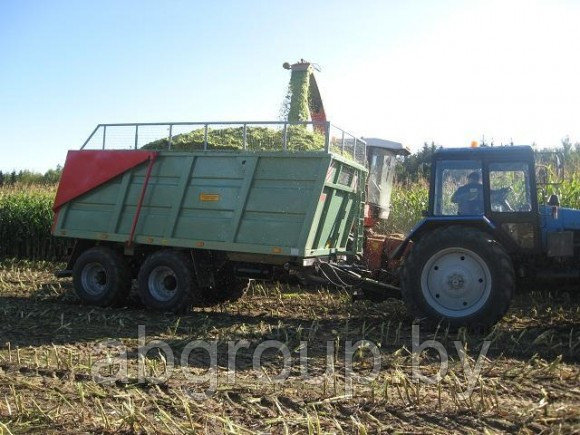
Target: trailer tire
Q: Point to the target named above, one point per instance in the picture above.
(458, 276)
(101, 277)
(227, 288)
(166, 281)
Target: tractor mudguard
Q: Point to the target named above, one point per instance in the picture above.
(567, 219)
(433, 222)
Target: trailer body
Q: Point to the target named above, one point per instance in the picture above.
(276, 206)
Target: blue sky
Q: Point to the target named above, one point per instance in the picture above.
(412, 71)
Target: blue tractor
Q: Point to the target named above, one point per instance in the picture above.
(483, 233)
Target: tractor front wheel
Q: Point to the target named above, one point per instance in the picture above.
(458, 275)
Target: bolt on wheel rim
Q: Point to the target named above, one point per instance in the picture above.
(94, 279)
(456, 282)
(162, 283)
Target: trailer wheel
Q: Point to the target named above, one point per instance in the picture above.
(458, 275)
(227, 288)
(101, 277)
(166, 281)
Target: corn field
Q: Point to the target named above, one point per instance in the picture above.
(25, 221)
(568, 191)
(407, 203)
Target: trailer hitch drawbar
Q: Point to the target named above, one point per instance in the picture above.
(342, 275)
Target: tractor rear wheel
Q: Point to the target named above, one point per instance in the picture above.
(166, 281)
(101, 277)
(460, 276)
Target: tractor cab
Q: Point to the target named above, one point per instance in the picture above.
(495, 186)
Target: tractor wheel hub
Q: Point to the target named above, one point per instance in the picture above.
(456, 281)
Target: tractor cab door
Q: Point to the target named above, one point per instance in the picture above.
(499, 185)
(456, 188)
(511, 200)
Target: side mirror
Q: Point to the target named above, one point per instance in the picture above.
(554, 202)
(424, 213)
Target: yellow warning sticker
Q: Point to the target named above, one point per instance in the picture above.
(209, 197)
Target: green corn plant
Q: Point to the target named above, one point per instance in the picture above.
(407, 204)
(25, 222)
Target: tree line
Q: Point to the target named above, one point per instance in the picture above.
(51, 176)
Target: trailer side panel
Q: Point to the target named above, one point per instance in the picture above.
(290, 204)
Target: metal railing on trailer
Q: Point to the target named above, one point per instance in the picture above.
(135, 135)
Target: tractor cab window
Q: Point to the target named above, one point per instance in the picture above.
(380, 179)
(458, 188)
(510, 187)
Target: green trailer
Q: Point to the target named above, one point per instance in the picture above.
(195, 226)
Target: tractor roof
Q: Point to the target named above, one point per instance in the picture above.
(512, 151)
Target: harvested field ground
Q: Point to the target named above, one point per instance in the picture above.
(51, 344)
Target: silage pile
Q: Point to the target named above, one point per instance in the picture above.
(232, 138)
(302, 94)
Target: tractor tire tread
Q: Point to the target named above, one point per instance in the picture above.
(501, 269)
